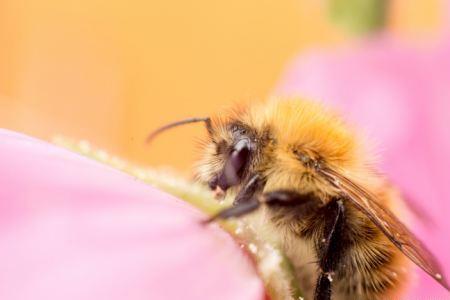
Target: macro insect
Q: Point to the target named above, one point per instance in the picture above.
(309, 175)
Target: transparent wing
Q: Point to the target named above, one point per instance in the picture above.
(387, 222)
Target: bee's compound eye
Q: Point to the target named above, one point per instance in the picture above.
(234, 165)
(239, 156)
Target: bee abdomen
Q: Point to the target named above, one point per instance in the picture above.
(372, 270)
(375, 286)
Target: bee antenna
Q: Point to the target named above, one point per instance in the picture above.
(153, 134)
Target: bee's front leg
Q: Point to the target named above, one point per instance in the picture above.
(287, 198)
(245, 202)
(248, 201)
(329, 248)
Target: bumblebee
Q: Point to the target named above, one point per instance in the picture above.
(313, 181)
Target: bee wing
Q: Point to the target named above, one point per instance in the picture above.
(388, 223)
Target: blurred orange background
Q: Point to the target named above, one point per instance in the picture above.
(111, 71)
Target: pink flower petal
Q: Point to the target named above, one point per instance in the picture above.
(71, 228)
(401, 97)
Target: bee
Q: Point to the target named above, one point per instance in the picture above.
(314, 183)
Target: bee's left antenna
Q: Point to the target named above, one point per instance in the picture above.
(152, 135)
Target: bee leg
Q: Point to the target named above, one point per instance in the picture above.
(249, 190)
(287, 198)
(245, 202)
(329, 248)
(248, 200)
(237, 210)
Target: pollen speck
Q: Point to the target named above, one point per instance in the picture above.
(102, 155)
(84, 146)
(252, 247)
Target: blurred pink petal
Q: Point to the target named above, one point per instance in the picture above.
(401, 97)
(71, 228)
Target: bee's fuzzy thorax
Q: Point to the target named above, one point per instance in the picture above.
(311, 126)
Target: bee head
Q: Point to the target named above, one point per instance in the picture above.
(234, 148)
(229, 151)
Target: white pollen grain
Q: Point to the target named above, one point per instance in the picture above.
(102, 155)
(84, 146)
(252, 247)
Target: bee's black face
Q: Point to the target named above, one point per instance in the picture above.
(237, 158)
(234, 165)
